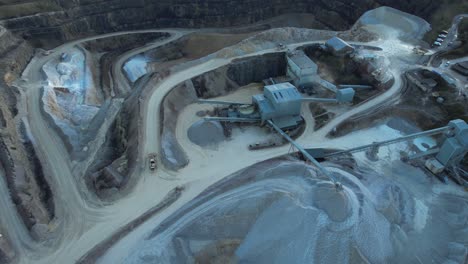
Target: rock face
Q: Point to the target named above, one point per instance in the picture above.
(20, 169)
(80, 18)
(172, 154)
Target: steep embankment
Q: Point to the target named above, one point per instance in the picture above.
(23, 174)
(82, 18)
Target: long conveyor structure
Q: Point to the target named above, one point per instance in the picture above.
(391, 141)
(220, 102)
(305, 153)
(233, 119)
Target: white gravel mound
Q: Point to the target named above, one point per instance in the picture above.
(408, 25)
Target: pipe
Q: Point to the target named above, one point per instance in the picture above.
(391, 141)
(356, 86)
(319, 100)
(423, 154)
(203, 101)
(326, 85)
(304, 152)
(233, 119)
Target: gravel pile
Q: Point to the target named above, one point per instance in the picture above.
(206, 133)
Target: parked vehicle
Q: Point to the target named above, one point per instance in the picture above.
(281, 46)
(440, 40)
(438, 44)
(442, 36)
(152, 161)
(444, 32)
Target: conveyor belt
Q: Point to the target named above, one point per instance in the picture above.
(304, 152)
(391, 141)
(203, 101)
(233, 119)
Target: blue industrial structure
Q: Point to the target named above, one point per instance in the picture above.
(455, 146)
(450, 153)
(338, 47)
(281, 103)
(280, 107)
(301, 69)
(304, 74)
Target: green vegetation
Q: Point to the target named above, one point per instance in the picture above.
(462, 50)
(441, 19)
(29, 8)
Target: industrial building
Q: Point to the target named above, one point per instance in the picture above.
(338, 47)
(281, 100)
(461, 67)
(280, 103)
(303, 73)
(301, 69)
(423, 83)
(455, 146)
(450, 152)
(447, 78)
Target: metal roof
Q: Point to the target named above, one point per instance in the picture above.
(429, 82)
(283, 92)
(287, 121)
(463, 64)
(337, 44)
(263, 104)
(302, 60)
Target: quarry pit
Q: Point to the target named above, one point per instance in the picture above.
(283, 139)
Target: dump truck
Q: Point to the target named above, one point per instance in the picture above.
(152, 161)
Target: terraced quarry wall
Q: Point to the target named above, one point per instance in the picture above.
(21, 170)
(74, 19)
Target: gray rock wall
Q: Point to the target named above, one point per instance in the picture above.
(120, 145)
(172, 155)
(81, 18)
(239, 73)
(24, 175)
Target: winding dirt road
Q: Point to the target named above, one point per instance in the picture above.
(82, 222)
(75, 209)
(120, 82)
(201, 171)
